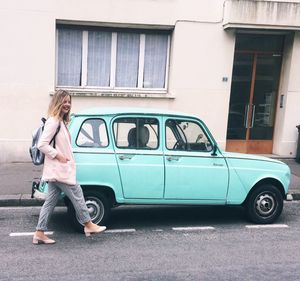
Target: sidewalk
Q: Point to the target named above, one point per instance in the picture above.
(16, 181)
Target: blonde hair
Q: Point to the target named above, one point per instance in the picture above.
(56, 104)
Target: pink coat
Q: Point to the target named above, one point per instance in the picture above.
(55, 170)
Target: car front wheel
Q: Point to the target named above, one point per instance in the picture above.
(264, 204)
(98, 207)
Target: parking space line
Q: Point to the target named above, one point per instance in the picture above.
(17, 234)
(189, 228)
(193, 228)
(267, 226)
(120, 230)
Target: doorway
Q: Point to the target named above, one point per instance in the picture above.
(254, 91)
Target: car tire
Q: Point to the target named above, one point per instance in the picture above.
(98, 206)
(264, 205)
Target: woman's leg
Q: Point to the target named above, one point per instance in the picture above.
(75, 194)
(48, 206)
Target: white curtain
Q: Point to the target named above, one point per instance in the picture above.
(99, 54)
(156, 49)
(128, 46)
(69, 57)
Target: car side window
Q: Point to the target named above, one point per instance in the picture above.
(93, 133)
(186, 135)
(136, 133)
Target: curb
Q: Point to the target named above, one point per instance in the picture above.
(25, 200)
(22, 200)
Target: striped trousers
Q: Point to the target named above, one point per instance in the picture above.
(73, 192)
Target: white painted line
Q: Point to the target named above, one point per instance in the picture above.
(267, 226)
(157, 230)
(16, 234)
(193, 228)
(120, 230)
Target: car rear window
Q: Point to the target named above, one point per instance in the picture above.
(136, 133)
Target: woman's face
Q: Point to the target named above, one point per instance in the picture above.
(66, 105)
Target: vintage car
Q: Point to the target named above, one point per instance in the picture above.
(150, 156)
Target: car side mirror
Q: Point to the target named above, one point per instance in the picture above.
(214, 150)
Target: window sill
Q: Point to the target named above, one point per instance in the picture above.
(118, 93)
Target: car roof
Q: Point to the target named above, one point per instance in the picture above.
(130, 110)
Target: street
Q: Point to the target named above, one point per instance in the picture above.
(154, 243)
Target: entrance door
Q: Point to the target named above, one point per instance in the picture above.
(253, 99)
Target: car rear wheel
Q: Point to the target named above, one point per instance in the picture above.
(264, 204)
(98, 207)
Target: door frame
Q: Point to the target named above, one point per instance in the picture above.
(247, 145)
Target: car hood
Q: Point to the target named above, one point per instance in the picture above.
(249, 157)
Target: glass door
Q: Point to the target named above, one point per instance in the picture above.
(264, 97)
(253, 102)
(240, 97)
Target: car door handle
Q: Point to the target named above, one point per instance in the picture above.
(172, 158)
(124, 157)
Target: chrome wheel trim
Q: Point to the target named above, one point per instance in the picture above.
(95, 208)
(265, 204)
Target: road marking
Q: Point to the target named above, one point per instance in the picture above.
(189, 228)
(17, 234)
(120, 230)
(193, 228)
(267, 226)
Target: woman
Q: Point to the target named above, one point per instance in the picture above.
(60, 169)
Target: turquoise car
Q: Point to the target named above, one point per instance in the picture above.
(149, 156)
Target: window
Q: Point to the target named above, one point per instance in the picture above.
(136, 133)
(119, 59)
(92, 133)
(186, 135)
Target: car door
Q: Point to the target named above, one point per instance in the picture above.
(139, 156)
(192, 172)
(94, 154)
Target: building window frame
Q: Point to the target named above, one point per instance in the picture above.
(113, 67)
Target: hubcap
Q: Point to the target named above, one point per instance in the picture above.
(95, 208)
(265, 204)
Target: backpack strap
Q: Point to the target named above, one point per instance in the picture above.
(53, 139)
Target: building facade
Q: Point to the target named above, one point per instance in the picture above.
(233, 63)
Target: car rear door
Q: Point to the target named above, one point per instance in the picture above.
(139, 156)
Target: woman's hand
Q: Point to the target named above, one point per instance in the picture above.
(62, 158)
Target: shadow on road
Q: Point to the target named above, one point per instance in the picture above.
(165, 216)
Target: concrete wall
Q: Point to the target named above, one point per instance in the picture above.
(267, 14)
(27, 50)
(289, 116)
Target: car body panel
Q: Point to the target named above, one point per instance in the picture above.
(246, 172)
(195, 174)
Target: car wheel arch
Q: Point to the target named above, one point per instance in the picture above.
(107, 191)
(266, 181)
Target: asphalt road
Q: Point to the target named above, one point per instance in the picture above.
(154, 243)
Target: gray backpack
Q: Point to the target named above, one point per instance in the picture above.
(36, 155)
